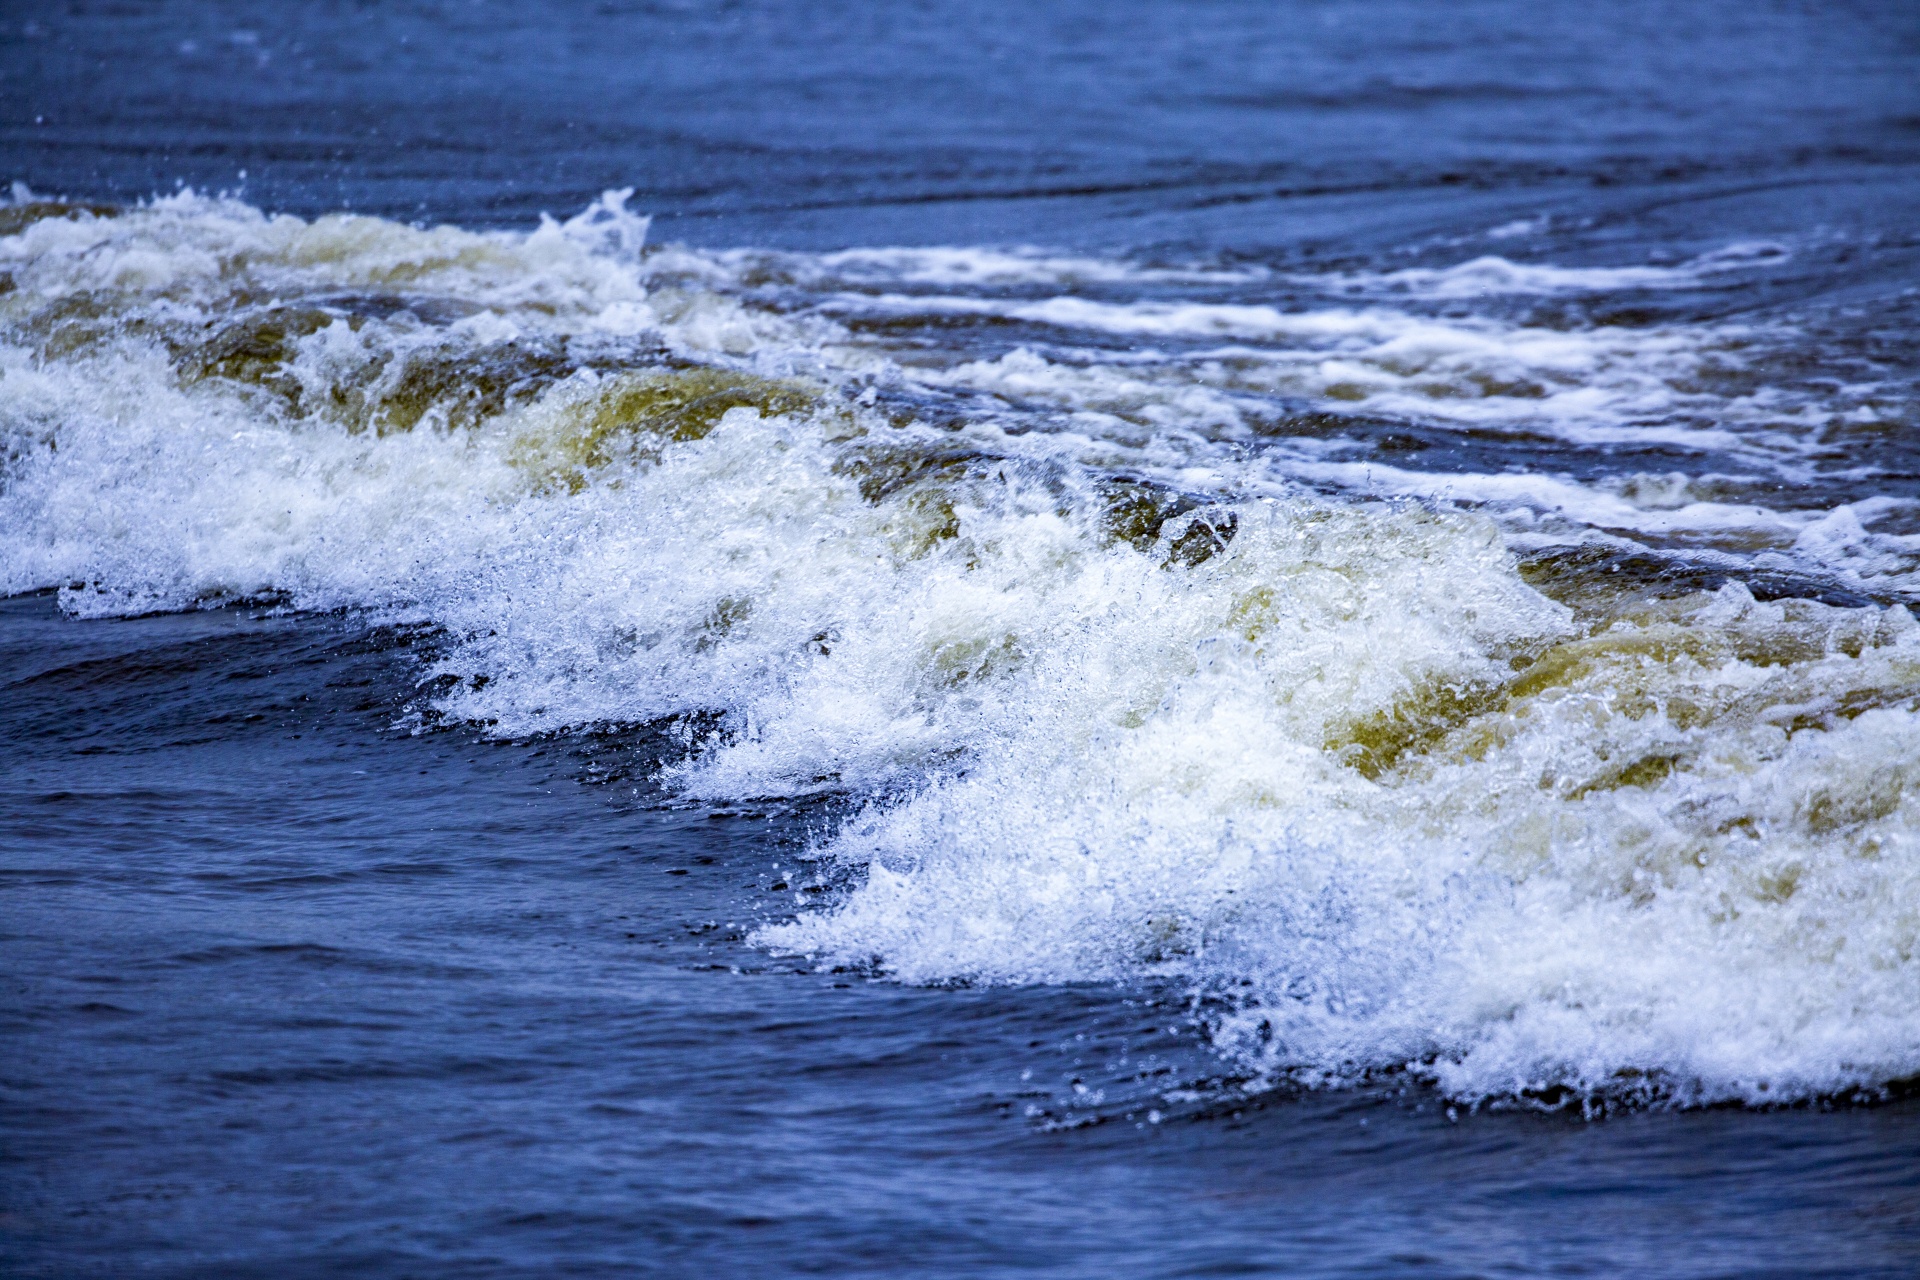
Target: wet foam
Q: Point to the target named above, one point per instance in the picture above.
(964, 266)
(1629, 873)
(1494, 275)
(1383, 795)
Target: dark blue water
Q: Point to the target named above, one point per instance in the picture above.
(1241, 124)
(291, 992)
(298, 980)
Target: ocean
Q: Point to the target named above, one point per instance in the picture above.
(917, 639)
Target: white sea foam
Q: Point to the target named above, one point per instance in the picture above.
(1492, 275)
(964, 266)
(1331, 762)
(1147, 319)
(1592, 388)
(1595, 386)
(1664, 508)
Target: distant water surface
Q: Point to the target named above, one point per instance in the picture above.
(1128, 639)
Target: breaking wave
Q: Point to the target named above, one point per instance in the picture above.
(1527, 782)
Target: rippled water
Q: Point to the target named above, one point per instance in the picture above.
(1299, 616)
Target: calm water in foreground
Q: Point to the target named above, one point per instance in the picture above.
(1150, 640)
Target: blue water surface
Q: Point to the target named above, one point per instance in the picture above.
(298, 983)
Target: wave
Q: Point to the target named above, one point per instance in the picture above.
(1491, 275)
(958, 265)
(1389, 782)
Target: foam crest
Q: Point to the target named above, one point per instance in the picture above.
(1639, 865)
(963, 266)
(1151, 318)
(1837, 542)
(201, 250)
(1493, 275)
(1592, 387)
(1633, 382)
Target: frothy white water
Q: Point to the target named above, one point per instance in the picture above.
(1631, 871)
(957, 266)
(1337, 763)
(1492, 276)
(1692, 386)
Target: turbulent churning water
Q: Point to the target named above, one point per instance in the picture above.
(1488, 668)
